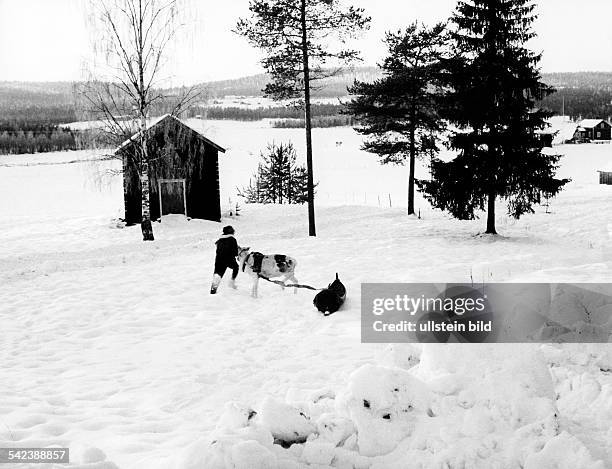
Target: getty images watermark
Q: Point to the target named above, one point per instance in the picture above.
(496, 312)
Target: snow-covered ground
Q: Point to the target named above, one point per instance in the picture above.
(115, 348)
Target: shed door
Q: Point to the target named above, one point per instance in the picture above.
(172, 196)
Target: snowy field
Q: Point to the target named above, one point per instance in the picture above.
(114, 347)
(255, 102)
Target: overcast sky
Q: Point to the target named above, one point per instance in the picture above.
(44, 40)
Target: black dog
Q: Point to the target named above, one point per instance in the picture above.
(330, 299)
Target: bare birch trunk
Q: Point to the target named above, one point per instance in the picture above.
(145, 224)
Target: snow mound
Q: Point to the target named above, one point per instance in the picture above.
(252, 455)
(334, 429)
(563, 452)
(403, 356)
(89, 457)
(286, 423)
(453, 405)
(384, 404)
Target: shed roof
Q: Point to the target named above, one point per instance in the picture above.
(606, 169)
(157, 121)
(590, 123)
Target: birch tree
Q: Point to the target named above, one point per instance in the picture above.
(133, 41)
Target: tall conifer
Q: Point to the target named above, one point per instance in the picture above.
(495, 83)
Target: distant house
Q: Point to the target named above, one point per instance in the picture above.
(593, 129)
(183, 172)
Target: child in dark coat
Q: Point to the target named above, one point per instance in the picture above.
(227, 250)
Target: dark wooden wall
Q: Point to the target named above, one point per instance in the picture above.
(546, 140)
(605, 177)
(175, 152)
(605, 132)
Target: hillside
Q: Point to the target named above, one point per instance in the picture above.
(586, 94)
(330, 87)
(336, 86)
(595, 80)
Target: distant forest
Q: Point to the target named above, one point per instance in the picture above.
(259, 113)
(31, 113)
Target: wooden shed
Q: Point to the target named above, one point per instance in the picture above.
(605, 177)
(183, 172)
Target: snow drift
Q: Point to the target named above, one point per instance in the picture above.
(473, 406)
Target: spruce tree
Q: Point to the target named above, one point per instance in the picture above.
(495, 84)
(398, 113)
(279, 179)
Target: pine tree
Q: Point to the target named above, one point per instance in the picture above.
(495, 85)
(296, 37)
(399, 111)
(279, 179)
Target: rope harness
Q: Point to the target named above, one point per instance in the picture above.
(257, 260)
(294, 285)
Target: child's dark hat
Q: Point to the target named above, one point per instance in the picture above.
(228, 230)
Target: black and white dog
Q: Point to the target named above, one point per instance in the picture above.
(330, 299)
(267, 266)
